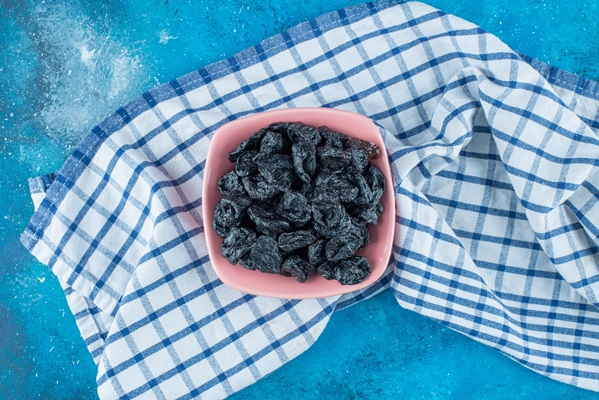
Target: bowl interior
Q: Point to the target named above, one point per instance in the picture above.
(228, 137)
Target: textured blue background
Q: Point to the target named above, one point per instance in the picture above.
(66, 65)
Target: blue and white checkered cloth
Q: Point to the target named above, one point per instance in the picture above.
(494, 158)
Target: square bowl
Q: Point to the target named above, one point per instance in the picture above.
(228, 137)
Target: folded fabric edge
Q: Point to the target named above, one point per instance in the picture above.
(564, 79)
(38, 186)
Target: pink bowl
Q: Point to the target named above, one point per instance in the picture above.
(228, 137)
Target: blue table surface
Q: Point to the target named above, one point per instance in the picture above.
(64, 66)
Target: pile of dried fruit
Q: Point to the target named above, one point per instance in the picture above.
(298, 201)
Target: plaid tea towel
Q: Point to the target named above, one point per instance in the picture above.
(494, 158)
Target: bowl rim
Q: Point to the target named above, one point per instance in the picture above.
(214, 241)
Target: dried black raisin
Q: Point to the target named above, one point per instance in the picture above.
(357, 158)
(327, 270)
(307, 190)
(291, 241)
(304, 160)
(251, 143)
(371, 150)
(376, 181)
(229, 185)
(316, 254)
(299, 132)
(294, 207)
(330, 217)
(272, 143)
(265, 255)
(246, 261)
(361, 231)
(352, 271)
(364, 196)
(331, 160)
(258, 189)
(267, 220)
(297, 267)
(332, 138)
(229, 213)
(341, 247)
(279, 127)
(346, 244)
(238, 243)
(246, 164)
(337, 185)
(365, 214)
(277, 170)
